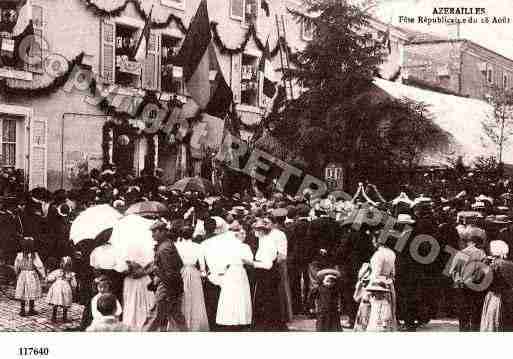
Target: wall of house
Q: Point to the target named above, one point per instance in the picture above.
(436, 63)
(70, 28)
(474, 80)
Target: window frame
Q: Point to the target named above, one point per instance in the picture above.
(489, 74)
(170, 34)
(257, 81)
(179, 5)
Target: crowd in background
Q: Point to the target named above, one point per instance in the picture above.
(254, 261)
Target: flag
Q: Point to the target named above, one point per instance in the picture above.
(141, 49)
(221, 94)
(266, 74)
(386, 41)
(265, 6)
(24, 18)
(194, 57)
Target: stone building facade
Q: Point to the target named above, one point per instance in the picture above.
(459, 66)
(48, 135)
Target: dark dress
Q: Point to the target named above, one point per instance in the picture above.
(267, 309)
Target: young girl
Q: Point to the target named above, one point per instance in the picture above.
(60, 293)
(103, 284)
(30, 270)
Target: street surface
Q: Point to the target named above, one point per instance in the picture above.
(10, 320)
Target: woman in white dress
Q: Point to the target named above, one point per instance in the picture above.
(137, 299)
(234, 309)
(193, 303)
(382, 264)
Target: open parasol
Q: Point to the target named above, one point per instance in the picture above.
(93, 221)
(131, 240)
(148, 208)
(193, 184)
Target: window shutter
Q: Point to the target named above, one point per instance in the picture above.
(236, 76)
(38, 152)
(36, 50)
(151, 68)
(237, 9)
(107, 63)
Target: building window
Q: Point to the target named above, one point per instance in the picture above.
(8, 126)
(490, 75)
(176, 4)
(127, 72)
(505, 82)
(172, 76)
(250, 11)
(249, 80)
(237, 9)
(10, 14)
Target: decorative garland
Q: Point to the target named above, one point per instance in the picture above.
(120, 9)
(250, 33)
(45, 90)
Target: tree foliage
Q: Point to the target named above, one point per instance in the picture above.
(498, 126)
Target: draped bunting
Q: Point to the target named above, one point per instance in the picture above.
(120, 9)
(250, 33)
(43, 90)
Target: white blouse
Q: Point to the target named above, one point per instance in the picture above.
(190, 253)
(267, 251)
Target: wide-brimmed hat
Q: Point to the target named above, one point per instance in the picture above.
(405, 219)
(239, 211)
(328, 271)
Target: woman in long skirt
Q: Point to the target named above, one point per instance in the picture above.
(493, 306)
(193, 304)
(234, 310)
(137, 299)
(268, 311)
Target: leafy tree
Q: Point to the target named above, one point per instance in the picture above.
(498, 126)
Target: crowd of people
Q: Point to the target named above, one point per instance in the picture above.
(252, 261)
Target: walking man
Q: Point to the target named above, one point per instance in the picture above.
(168, 280)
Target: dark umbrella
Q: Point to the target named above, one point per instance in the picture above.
(193, 184)
(148, 208)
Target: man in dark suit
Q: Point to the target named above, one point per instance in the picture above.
(168, 280)
(297, 264)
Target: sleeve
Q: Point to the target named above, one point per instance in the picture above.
(94, 308)
(281, 242)
(73, 281)
(246, 254)
(17, 263)
(39, 265)
(169, 266)
(376, 263)
(119, 309)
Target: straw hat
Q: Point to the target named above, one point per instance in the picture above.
(405, 219)
(328, 271)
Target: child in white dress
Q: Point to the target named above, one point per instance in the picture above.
(60, 293)
(30, 270)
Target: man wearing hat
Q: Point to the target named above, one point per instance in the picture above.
(465, 271)
(168, 295)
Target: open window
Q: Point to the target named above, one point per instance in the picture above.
(127, 72)
(249, 80)
(244, 10)
(15, 16)
(172, 76)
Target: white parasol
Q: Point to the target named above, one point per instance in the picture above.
(93, 221)
(132, 240)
